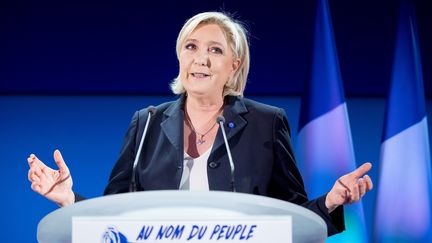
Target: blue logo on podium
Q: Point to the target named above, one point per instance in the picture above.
(112, 235)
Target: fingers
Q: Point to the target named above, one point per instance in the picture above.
(355, 193)
(360, 171)
(369, 184)
(41, 175)
(31, 159)
(38, 176)
(351, 187)
(34, 163)
(357, 190)
(35, 186)
(60, 162)
(32, 176)
(362, 187)
(37, 183)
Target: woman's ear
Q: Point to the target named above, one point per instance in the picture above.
(236, 64)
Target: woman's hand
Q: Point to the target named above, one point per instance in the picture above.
(55, 185)
(349, 188)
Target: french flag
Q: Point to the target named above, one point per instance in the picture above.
(324, 145)
(403, 208)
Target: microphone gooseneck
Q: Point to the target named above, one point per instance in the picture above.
(132, 187)
(221, 121)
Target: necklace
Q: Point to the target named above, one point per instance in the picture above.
(201, 139)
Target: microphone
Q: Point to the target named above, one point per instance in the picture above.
(132, 186)
(221, 120)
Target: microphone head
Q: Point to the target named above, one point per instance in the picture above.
(220, 119)
(151, 109)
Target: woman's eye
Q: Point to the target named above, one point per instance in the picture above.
(190, 46)
(216, 50)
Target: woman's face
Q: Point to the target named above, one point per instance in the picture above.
(206, 61)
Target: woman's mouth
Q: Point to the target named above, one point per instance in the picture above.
(200, 75)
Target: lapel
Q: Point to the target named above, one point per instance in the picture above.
(172, 126)
(234, 122)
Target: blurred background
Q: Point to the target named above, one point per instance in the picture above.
(72, 74)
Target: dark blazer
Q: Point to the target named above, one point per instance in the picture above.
(261, 148)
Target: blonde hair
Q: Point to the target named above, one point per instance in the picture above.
(236, 36)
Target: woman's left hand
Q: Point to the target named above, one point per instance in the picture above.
(349, 188)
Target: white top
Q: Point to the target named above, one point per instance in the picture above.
(194, 177)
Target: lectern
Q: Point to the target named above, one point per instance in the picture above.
(198, 217)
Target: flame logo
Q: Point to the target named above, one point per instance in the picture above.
(112, 235)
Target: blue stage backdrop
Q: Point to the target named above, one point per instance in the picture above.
(89, 131)
(128, 47)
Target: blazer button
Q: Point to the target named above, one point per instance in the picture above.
(213, 165)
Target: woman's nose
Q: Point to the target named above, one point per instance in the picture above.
(202, 59)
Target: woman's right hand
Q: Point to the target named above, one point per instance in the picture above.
(55, 185)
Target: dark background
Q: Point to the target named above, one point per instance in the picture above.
(128, 47)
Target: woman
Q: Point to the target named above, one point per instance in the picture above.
(184, 147)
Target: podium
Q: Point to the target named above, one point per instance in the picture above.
(169, 205)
